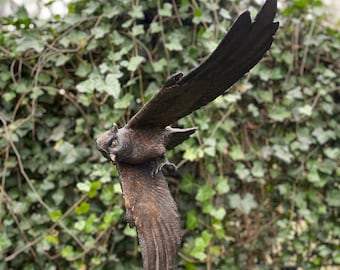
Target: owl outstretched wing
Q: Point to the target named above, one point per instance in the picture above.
(242, 48)
(151, 208)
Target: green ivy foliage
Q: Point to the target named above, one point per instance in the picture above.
(259, 183)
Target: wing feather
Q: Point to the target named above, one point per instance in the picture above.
(151, 208)
(242, 48)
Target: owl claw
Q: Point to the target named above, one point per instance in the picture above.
(164, 167)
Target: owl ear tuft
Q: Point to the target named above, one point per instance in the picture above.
(114, 128)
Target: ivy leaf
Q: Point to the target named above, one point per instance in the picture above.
(166, 10)
(277, 73)
(110, 12)
(112, 85)
(205, 192)
(245, 204)
(219, 232)
(197, 252)
(206, 236)
(193, 153)
(83, 70)
(136, 12)
(55, 215)
(295, 93)
(306, 110)
(174, 41)
(133, 63)
(257, 169)
(58, 196)
(100, 31)
(115, 214)
(130, 231)
(232, 98)
(263, 72)
(159, 65)
(84, 186)
(187, 183)
(236, 152)
(137, 30)
(332, 153)
(219, 213)
(124, 102)
(94, 188)
(198, 12)
(253, 109)
(210, 147)
(329, 73)
(303, 143)
(90, 225)
(91, 7)
(156, 27)
(74, 37)
(332, 198)
(67, 252)
(278, 113)
(9, 96)
(61, 60)
(117, 188)
(201, 244)
(174, 45)
(86, 86)
(30, 42)
(37, 92)
(313, 175)
(222, 186)
(67, 151)
(192, 220)
(57, 133)
(224, 13)
(264, 96)
(80, 225)
(283, 153)
(323, 135)
(242, 171)
(83, 208)
(52, 239)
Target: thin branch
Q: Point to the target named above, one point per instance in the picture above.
(3, 180)
(21, 166)
(41, 237)
(17, 222)
(29, 182)
(306, 48)
(178, 17)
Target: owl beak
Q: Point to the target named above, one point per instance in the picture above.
(113, 158)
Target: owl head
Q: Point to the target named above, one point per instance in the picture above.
(109, 143)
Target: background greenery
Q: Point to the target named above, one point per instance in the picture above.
(259, 181)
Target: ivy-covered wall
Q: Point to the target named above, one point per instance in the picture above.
(258, 185)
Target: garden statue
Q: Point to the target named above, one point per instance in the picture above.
(138, 147)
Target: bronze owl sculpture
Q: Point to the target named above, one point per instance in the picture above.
(137, 148)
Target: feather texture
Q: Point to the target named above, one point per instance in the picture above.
(242, 48)
(151, 208)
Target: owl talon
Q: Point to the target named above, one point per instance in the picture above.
(165, 167)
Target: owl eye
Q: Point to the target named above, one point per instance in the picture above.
(113, 142)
